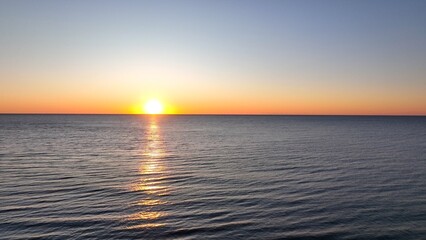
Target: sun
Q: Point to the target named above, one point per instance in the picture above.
(153, 107)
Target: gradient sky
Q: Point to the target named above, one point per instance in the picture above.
(240, 57)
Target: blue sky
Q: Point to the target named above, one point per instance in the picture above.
(283, 53)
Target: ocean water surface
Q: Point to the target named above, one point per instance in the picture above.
(212, 177)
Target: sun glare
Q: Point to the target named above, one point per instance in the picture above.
(153, 107)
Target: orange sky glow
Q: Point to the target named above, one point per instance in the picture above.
(351, 58)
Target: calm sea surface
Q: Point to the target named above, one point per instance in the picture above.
(212, 177)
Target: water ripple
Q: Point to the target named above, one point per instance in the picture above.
(212, 177)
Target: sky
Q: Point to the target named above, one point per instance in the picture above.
(214, 57)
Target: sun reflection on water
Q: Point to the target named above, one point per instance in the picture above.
(151, 183)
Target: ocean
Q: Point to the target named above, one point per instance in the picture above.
(212, 177)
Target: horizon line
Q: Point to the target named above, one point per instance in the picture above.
(229, 114)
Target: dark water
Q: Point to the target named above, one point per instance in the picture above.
(212, 177)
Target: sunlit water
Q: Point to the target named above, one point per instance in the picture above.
(212, 177)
